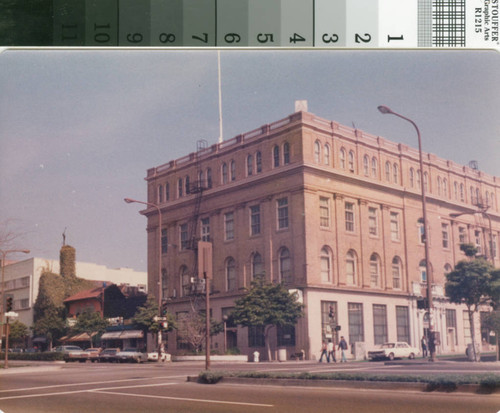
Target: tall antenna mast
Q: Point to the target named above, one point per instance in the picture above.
(220, 97)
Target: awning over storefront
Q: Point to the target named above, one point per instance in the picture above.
(131, 334)
(111, 335)
(39, 340)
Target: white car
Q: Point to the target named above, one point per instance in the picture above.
(131, 355)
(153, 356)
(392, 350)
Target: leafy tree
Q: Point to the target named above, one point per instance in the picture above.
(470, 284)
(18, 332)
(144, 318)
(267, 305)
(470, 250)
(52, 325)
(192, 328)
(90, 323)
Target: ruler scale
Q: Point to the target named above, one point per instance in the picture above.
(252, 23)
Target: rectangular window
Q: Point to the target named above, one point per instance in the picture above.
(477, 237)
(394, 226)
(167, 192)
(372, 221)
(356, 328)
(462, 235)
(24, 303)
(421, 233)
(379, 323)
(282, 213)
(229, 226)
(349, 216)
(164, 241)
(160, 194)
(451, 323)
(25, 281)
(255, 220)
(324, 212)
(403, 323)
(286, 336)
(256, 336)
(446, 235)
(184, 236)
(467, 336)
(205, 229)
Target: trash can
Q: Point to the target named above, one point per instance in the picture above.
(282, 354)
(256, 356)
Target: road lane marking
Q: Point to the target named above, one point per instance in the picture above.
(184, 399)
(92, 383)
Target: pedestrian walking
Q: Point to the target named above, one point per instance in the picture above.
(343, 347)
(324, 352)
(423, 342)
(331, 352)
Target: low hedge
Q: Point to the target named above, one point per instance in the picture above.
(487, 382)
(45, 356)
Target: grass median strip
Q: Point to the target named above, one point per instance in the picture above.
(486, 383)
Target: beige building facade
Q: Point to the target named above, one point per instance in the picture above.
(336, 215)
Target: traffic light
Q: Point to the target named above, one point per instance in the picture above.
(8, 304)
(331, 313)
(163, 309)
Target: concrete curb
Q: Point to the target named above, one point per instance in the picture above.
(352, 384)
(30, 369)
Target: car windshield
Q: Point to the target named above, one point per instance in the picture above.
(72, 348)
(388, 345)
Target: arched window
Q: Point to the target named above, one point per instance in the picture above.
(439, 185)
(285, 269)
(419, 179)
(455, 188)
(224, 173)
(201, 182)
(395, 171)
(366, 165)
(426, 181)
(249, 165)
(462, 193)
(374, 167)
(185, 281)
(258, 162)
(396, 273)
(445, 188)
(257, 266)
(167, 192)
(179, 187)
(351, 161)
(374, 271)
(286, 153)
(350, 263)
(276, 156)
(492, 203)
(233, 171)
(230, 274)
(317, 152)
(412, 177)
(388, 171)
(342, 155)
(326, 267)
(326, 155)
(447, 268)
(160, 194)
(478, 197)
(423, 271)
(187, 184)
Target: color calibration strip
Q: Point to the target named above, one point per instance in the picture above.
(275, 23)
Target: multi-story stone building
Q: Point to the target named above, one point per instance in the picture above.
(330, 211)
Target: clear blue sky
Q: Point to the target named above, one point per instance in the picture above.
(79, 129)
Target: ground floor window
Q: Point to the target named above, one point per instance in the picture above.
(379, 323)
(467, 336)
(286, 336)
(403, 323)
(256, 336)
(451, 323)
(328, 320)
(356, 330)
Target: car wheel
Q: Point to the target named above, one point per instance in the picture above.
(411, 356)
(391, 356)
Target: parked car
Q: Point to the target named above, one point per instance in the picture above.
(93, 354)
(392, 350)
(153, 356)
(109, 355)
(132, 355)
(73, 353)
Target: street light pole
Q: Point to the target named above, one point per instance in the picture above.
(385, 110)
(3, 319)
(160, 281)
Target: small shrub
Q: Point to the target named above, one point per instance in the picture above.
(210, 377)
